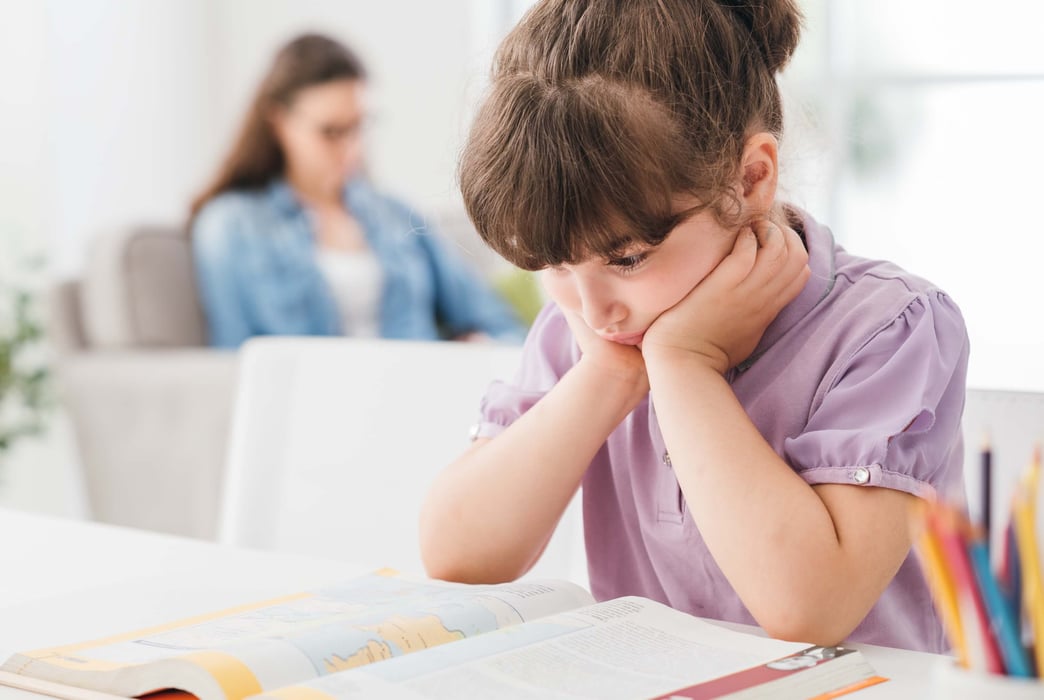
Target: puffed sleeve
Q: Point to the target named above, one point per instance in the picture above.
(891, 415)
(547, 354)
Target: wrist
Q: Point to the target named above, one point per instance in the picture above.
(710, 357)
(629, 384)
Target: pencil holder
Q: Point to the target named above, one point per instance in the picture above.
(954, 682)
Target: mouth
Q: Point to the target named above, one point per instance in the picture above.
(625, 338)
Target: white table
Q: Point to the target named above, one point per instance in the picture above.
(64, 581)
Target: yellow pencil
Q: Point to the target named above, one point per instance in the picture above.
(1029, 559)
(941, 585)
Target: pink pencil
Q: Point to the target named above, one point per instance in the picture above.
(983, 653)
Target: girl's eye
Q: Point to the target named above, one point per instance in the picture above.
(628, 263)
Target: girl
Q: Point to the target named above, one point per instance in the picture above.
(291, 239)
(750, 409)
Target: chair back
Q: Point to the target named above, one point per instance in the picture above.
(335, 442)
(139, 291)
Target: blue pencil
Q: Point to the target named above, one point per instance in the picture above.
(1013, 575)
(1001, 616)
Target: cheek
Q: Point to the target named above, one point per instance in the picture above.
(675, 288)
(684, 272)
(559, 286)
(648, 298)
(303, 149)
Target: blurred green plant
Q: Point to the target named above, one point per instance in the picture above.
(522, 291)
(24, 375)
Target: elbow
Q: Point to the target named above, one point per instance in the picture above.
(461, 572)
(444, 554)
(441, 560)
(448, 555)
(821, 625)
(447, 563)
(813, 609)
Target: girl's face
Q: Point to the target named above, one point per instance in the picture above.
(619, 298)
(321, 131)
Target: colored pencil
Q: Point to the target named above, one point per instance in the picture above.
(983, 654)
(986, 469)
(941, 585)
(1029, 559)
(1001, 616)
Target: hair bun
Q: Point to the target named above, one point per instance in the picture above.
(775, 26)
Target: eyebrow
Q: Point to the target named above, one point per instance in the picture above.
(619, 243)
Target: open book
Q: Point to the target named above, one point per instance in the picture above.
(529, 639)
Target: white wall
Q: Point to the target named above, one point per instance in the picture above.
(22, 69)
(128, 103)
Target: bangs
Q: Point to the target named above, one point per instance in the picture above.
(557, 174)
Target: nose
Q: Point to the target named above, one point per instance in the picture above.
(599, 306)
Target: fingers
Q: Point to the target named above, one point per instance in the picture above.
(768, 234)
(739, 263)
(780, 258)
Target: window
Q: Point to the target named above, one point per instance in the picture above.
(931, 113)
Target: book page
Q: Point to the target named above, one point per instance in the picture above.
(368, 619)
(624, 648)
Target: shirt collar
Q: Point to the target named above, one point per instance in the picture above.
(282, 196)
(819, 242)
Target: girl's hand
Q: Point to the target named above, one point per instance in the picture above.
(722, 319)
(616, 360)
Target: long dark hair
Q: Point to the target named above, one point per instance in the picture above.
(256, 157)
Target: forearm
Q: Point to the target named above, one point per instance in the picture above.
(769, 532)
(489, 515)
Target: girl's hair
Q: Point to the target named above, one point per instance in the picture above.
(256, 157)
(601, 112)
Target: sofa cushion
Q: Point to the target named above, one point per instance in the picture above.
(139, 290)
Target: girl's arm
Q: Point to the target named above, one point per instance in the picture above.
(808, 562)
(490, 514)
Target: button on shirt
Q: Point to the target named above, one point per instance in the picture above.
(860, 380)
(255, 256)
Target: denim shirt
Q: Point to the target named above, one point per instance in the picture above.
(255, 262)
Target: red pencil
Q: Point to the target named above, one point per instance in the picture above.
(983, 653)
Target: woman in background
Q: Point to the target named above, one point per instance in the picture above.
(290, 239)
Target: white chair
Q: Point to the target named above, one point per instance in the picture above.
(335, 442)
(1013, 422)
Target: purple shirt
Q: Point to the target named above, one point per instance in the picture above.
(860, 380)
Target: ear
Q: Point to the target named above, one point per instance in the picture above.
(759, 172)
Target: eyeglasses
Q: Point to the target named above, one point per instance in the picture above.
(335, 132)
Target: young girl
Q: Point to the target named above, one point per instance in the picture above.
(291, 238)
(750, 409)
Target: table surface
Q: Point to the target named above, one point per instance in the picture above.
(65, 581)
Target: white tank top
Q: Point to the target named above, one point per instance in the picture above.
(355, 279)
